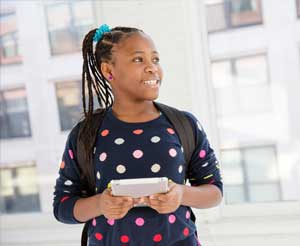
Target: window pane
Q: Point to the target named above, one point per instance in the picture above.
(234, 194)
(221, 74)
(251, 70)
(215, 17)
(226, 101)
(67, 25)
(19, 190)
(231, 166)
(14, 117)
(58, 16)
(26, 178)
(6, 181)
(261, 164)
(9, 48)
(255, 99)
(83, 13)
(245, 12)
(264, 193)
(69, 103)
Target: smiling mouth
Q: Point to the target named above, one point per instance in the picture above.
(152, 83)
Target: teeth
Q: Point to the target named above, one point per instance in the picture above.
(150, 82)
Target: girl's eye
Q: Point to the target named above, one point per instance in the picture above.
(156, 60)
(138, 59)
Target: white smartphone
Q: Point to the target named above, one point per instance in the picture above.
(139, 187)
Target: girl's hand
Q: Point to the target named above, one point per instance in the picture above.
(114, 207)
(168, 202)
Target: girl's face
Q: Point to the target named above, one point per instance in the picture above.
(136, 70)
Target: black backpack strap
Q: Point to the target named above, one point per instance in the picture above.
(182, 127)
(185, 133)
(98, 117)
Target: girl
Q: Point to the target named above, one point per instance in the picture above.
(135, 140)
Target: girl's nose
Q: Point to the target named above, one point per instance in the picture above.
(151, 68)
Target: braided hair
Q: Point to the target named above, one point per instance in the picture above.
(94, 82)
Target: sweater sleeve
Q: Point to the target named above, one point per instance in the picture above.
(204, 167)
(67, 189)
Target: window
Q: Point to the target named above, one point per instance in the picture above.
(68, 22)
(241, 85)
(9, 47)
(69, 103)
(226, 14)
(14, 117)
(19, 189)
(298, 8)
(250, 175)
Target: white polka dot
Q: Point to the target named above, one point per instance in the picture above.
(182, 150)
(180, 168)
(119, 141)
(155, 139)
(155, 168)
(103, 156)
(172, 152)
(98, 175)
(205, 164)
(199, 126)
(121, 169)
(68, 182)
(66, 191)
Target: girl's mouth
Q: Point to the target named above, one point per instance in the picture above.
(152, 83)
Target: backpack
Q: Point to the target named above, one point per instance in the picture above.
(178, 120)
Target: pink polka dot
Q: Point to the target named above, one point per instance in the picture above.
(157, 238)
(172, 152)
(64, 198)
(71, 154)
(102, 156)
(98, 236)
(170, 130)
(202, 153)
(186, 231)
(172, 218)
(139, 221)
(187, 214)
(111, 222)
(138, 131)
(124, 239)
(62, 165)
(137, 154)
(104, 133)
(94, 222)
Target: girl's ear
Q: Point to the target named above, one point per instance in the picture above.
(106, 70)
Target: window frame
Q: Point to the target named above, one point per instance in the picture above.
(235, 85)
(6, 115)
(227, 8)
(70, 27)
(13, 33)
(15, 186)
(246, 183)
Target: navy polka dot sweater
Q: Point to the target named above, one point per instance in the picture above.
(137, 150)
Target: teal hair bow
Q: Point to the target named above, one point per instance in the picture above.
(100, 31)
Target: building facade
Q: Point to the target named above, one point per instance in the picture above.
(234, 63)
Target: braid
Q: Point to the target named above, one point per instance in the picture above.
(94, 81)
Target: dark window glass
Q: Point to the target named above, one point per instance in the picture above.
(14, 117)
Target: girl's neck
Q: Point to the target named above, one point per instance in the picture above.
(135, 111)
